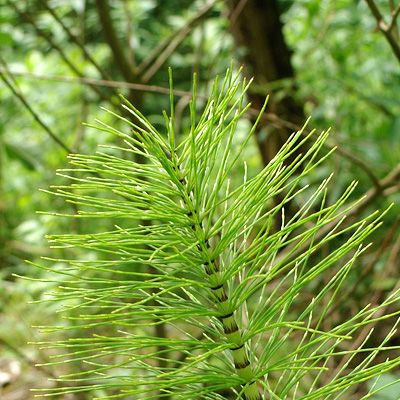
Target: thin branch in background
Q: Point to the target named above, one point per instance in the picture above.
(84, 105)
(81, 120)
(271, 117)
(129, 23)
(101, 82)
(17, 93)
(199, 53)
(236, 11)
(393, 25)
(386, 29)
(27, 18)
(156, 60)
(110, 35)
(359, 163)
(366, 271)
(74, 39)
(390, 180)
(338, 149)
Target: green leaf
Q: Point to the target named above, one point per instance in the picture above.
(22, 155)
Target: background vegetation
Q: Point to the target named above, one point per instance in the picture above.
(60, 61)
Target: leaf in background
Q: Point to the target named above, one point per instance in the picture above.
(388, 386)
(5, 38)
(21, 155)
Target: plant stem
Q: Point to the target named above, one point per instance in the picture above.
(228, 317)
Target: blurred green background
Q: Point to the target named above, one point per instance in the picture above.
(61, 61)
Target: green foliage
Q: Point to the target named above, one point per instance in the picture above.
(194, 292)
(387, 387)
(343, 82)
(346, 77)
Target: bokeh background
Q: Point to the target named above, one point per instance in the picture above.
(62, 60)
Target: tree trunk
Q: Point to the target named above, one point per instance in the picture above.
(256, 26)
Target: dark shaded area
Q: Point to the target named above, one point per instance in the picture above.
(257, 27)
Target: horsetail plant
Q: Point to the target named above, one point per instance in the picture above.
(196, 252)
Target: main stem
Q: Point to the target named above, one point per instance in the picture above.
(227, 316)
